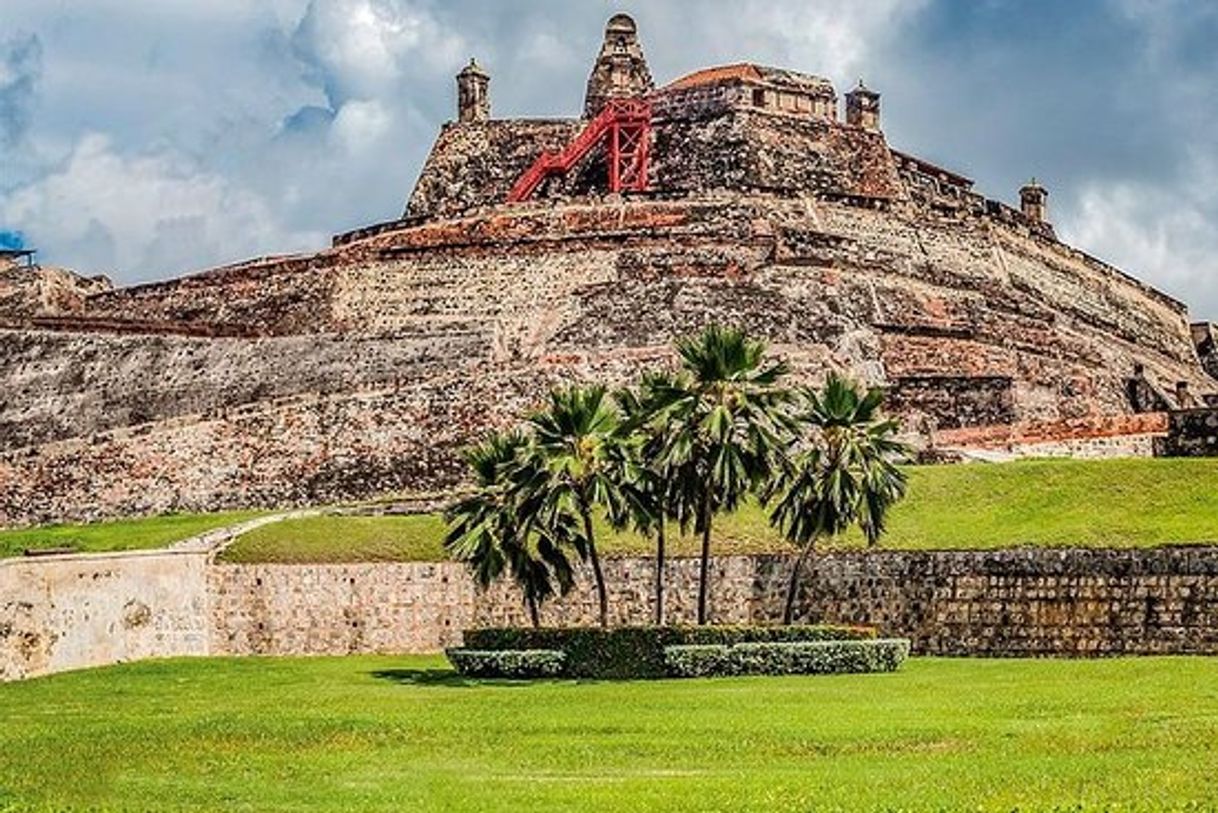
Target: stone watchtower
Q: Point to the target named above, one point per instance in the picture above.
(863, 108)
(621, 69)
(473, 93)
(1034, 200)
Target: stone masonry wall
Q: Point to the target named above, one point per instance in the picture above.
(74, 612)
(1194, 433)
(1000, 603)
(1020, 602)
(81, 611)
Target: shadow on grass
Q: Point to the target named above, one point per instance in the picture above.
(448, 678)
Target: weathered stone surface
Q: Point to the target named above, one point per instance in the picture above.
(1205, 336)
(74, 612)
(999, 603)
(1193, 433)
(28, 292)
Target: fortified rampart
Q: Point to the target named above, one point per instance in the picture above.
(361, 368)
(84, 611)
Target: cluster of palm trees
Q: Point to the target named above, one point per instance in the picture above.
(678, 449)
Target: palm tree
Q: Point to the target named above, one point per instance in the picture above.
(650, 492)
(847, 474)
(728, 419)
(486, 531)
(577, 467)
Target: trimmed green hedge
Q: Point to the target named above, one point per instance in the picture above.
(786, 658)
(638, 652)
(508, 663)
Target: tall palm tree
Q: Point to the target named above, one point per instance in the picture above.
(577, 468)
(488, 534)
(729, 418)
(846, 475)
(651, 490)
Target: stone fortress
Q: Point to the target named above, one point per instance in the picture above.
(536, 251)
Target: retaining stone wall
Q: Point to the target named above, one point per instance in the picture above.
(1002, 603)
(80, 611)
(74, 612)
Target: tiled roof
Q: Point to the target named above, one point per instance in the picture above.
(747, 72)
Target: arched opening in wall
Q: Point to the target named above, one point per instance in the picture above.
(758, 97)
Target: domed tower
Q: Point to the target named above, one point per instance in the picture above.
(863, 108)
(621, 69)
(473, 93)
(1034, 200)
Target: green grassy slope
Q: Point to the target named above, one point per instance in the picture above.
(391, 734)
(1120, 503)
(135, 534)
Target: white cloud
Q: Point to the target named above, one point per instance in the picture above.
(1164, 234)
(840, 39)
(1166, 23)
(150, 216)
(361, 125)
(363, 49)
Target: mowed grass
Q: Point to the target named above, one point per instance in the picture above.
(136, 534)
(1110, 503)
(403, 733)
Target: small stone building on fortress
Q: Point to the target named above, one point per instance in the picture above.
(537, 251)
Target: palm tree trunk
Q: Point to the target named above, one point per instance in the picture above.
(601, 594)
(660, 574)
(704, 573)
(788, 612)
(534, 615)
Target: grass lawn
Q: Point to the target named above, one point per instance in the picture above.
(403, 733)
(135, 534)
(1111, 503)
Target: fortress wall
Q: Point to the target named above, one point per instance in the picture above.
(26, 292)
(761, 152)
(512, 297)
(1194, 433)
(274, 296)
(296, 451)
(339, 609)
(74, 612)
(695, 148)
(418, 340)
(63, 385)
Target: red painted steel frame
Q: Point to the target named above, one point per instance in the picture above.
(624, 125)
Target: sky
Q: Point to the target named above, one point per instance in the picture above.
(144, 139)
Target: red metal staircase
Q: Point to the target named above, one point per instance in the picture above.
(624, 125)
